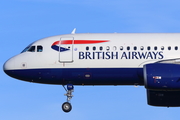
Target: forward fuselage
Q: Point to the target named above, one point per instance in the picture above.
(93, 59)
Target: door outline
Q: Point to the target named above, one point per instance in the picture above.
(65, 55)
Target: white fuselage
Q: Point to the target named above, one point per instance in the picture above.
(91, 51)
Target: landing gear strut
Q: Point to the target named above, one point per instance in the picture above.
(66, 106)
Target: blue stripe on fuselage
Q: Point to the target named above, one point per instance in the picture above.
(79, 76)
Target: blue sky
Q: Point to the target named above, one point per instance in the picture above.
(24, 21)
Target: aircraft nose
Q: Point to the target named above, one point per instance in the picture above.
(9, 65)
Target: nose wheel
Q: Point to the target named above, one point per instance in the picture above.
(66, 106)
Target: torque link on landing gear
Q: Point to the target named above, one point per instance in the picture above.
(66, 106)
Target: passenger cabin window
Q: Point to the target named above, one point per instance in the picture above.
(155, 48)
(94, 48)
(135, 48)
(39, 48)
(101, 48)
(128, 48)
(87, 48)
(176, 47)
(148, 48)
(162, 47)
(121, 47)
(107, 48)
(142, 48)
(169, 48)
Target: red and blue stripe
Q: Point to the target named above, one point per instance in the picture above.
(56, 44)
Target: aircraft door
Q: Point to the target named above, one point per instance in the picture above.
(66, 49)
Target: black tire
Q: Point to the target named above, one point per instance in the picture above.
(66, 107)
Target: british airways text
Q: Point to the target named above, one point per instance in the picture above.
(121, 55)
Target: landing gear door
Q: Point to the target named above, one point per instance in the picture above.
(66, 49)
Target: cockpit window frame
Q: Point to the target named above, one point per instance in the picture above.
(27, 48)
(39, 48)
(32, 49)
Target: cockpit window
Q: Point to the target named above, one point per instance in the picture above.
(39, 48)
(25, 49)
(31, 49)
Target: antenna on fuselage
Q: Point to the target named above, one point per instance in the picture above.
(74, 30)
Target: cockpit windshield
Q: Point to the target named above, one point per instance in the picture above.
(26, 49)
(32, 48)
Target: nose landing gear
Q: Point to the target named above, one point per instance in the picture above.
(66, 106)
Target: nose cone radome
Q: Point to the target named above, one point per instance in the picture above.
(8, 66)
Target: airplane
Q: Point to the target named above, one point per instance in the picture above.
(145, 59)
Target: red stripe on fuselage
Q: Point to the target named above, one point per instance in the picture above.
(79, 42)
